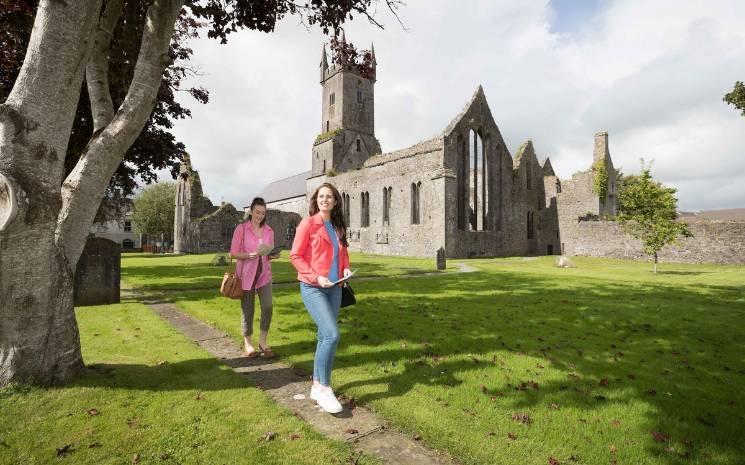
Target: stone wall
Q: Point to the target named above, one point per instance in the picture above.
(296, 205)
(398, 171)
(215, 231)
(713, 242)
(278, 221)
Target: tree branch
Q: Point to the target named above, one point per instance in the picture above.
(97, 69)
(84, 188)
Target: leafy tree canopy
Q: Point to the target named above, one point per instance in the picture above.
(153, 211)
(736, 98)
(649, 213)
(156, 148)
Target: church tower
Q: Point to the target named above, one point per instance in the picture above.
(347, 136)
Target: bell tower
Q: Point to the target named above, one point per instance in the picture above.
(347, 136)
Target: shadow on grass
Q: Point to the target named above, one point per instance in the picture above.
(677, 349)
(200, 374)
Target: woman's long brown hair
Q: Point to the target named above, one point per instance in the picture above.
(337, 217)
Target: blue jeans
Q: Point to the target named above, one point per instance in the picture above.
(323, 305)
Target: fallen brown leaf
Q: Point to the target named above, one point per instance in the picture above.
(136, 459)
(512, 435)
(294, 437)
(660, 437)
(416, 437)
(93, 412)
(522, 417)
(604, 382)
(269, 436)
(553, 461)
(351, 431)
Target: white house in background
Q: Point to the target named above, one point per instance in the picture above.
(119, 230)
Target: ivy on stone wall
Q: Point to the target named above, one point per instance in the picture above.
(331, 172)
(324, 136)
(600, 179)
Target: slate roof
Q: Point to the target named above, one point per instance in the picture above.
(287, 188)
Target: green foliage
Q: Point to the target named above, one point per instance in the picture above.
(154, 209)
(324, 136)
(650, 213)
(600, 179)
(331, 172)
(736, 98)
(623, 182)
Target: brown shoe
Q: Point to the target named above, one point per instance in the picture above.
(266, 352)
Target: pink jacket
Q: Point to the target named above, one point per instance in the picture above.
(246, 269)
(312, 251)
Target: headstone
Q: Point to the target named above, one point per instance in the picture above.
(441, 259)
(98, 272)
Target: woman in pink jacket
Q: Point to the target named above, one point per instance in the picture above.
(255, 272)
(319, 254)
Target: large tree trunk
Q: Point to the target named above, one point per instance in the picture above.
(43, 228)
(39, 339)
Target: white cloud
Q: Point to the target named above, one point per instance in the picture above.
(652, 74)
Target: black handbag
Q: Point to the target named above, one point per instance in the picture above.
(347, 295)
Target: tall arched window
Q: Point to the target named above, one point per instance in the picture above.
(477, 186)
(347, 208)
(385, 205)
(461, 176)
(415, 204)
(364, 209)
(531, 230)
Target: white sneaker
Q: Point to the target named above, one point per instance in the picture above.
(315, 391)
(328, 401)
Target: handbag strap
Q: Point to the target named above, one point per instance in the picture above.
(240, 250)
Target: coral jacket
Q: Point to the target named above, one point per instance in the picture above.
(246, 269)
(312, 251)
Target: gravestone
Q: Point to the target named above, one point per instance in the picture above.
(441, 259)
(98, 272)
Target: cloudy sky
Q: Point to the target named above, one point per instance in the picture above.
(650, 72)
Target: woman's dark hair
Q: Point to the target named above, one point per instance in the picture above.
(337, 218)
(257, 201)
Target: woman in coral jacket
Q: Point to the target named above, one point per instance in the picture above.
(319, 254)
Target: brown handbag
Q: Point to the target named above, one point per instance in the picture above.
(231, 286)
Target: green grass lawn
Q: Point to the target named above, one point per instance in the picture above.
(155, 272)
(152, 397)
(522, 362)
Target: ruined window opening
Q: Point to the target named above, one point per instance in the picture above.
(477, 182)
(365, 209)
(345, 208)
(359, 96)
(387, 194)
(461, 192)
(531, 233)
(127, 226)
(327, 125)
(415, 205)
(324, 166)
(332, 99)
(558, 187)
(485, 185)
(358, 145)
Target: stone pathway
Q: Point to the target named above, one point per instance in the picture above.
(369, 433)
